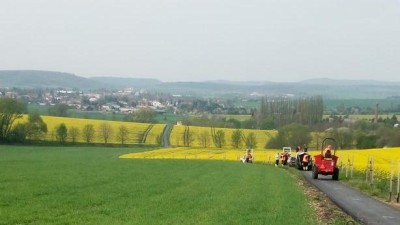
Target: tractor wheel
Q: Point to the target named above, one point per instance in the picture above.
(315, 172)
(300, 167)
(309, 167)
(298, 164)
(335, 175)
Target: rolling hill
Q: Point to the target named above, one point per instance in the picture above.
(328, 88)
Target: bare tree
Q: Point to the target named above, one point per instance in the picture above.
(105, 131)
(88, 132)
(204, 139)
(188, 137)
(219, 138)
(236, 138)
(250, 140)
(73, 133)
(122, 134)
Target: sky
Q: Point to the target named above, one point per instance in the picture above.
(197, 40)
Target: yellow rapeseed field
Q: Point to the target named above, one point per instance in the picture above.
(176, 138)
(385, 160)
(202, 153)
(135, 130)
(155, 133)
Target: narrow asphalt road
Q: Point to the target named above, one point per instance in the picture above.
(362, 208)
(166, 134)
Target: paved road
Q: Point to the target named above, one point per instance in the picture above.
(166, 135)
(361, 207)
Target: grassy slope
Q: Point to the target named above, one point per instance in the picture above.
(50, 185)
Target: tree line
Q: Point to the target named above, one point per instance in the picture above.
(35, 129)
(280, 111)
(298, 120)
(217, 137)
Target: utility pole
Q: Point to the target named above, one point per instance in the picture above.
(376, 112)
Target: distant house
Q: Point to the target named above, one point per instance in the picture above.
(126, 110)
(157, 104)
(93, 99)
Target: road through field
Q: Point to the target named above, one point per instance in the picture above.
(362, 208)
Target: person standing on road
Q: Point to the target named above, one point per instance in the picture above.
(306, 158)
(277, 158)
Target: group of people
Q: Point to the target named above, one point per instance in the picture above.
(285, 155)
(282, 157)
(305, 157)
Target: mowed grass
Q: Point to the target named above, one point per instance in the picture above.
(83, 185)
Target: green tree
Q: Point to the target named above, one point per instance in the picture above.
(18, 133)
(61, 133)
(343, 136)
(145, 115)
(282, 111)
(290, 135)
(10, 110)
(59, 110)
(36, 128)
(365, 141)
(88, 132)
(236, 138)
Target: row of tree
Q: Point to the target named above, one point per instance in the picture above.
(280, 111)
(35, 129)
(360, 135)
(217, 138)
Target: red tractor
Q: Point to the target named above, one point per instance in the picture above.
(326, 162)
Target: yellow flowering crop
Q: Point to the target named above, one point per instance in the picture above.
(176, 139)
(201, 153)
(155, 133)
(384, 160)
(135, 130)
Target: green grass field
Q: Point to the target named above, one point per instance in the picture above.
(83, 185)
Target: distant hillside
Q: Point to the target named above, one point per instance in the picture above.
(119, 82)
(43, 79)
(50, 79)
(328, 88)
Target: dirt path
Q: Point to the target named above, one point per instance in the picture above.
(362, 208)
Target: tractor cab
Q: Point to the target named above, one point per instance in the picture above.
(286, 156)
(326, 162)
